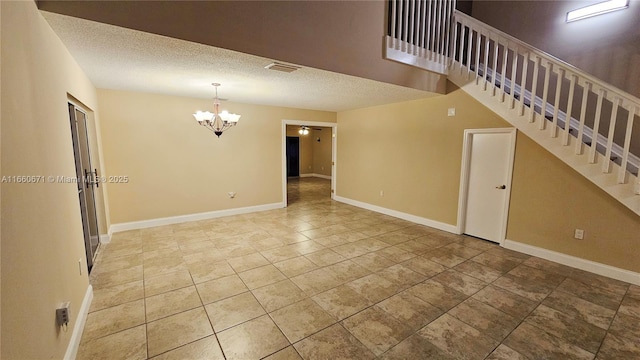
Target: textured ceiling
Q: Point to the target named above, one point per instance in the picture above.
(123, 59)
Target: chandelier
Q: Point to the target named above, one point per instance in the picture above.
(217, 121)
(304, 130)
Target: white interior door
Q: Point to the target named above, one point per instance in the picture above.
(488, 187)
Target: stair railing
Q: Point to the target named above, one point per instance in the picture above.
(542, 87)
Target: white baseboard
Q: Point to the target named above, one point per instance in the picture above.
(404, 216)
(76, 335)
(105, 238)
(143, 224)
(328, 177)
(576, 262)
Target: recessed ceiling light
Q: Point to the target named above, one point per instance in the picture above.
(597, 9)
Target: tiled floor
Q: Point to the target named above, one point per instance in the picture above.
(324, 280)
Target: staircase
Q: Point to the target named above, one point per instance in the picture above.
(583, 121)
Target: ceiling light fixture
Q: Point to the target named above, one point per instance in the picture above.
(304, 130)
(217, 121)
(597, 9)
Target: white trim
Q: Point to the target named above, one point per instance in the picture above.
(401, 215)
(134, 225)
(576, 262)
(328, 177)
(334, 152)
(464, 176)
(105, 238)
(76, 335)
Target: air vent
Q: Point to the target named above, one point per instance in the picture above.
(282, 67)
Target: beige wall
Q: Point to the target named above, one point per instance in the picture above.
(322, 150)
(41, 228)
(176, 167)
(306, 149)
(549, 200)
(412, 151)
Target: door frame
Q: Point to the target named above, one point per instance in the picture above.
(464, 176)
(334, 152)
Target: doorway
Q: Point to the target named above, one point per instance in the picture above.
(293, 156)
(87, 181)
(316, 156)
(485, 185)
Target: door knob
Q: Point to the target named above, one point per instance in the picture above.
(501, 187)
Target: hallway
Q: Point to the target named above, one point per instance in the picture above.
(325, 280)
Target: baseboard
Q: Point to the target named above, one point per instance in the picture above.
(328, 177)
(575, 262)
(76, 335)
(404, 216)
(105, 238)
(143, 224)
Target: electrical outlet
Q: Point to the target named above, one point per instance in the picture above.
(62, 314)
(381, 192)
(451, 112)
(231, 194)
(579, 234)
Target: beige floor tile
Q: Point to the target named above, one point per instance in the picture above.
(107, 263)
(177, 330)
(535, 343)
(254, 339)
(233, 311)
(459, 282)
(410, 310)
(117, 277)
(205, 271)
(373, 262)
(374, 287)
(535, 290)
(261, 276)
(396, 254)
(631, 307)
(301, 319)
(347, 270)
(515, 305)
(569, 328)
(351, 250)
(248, 262)
(325, 257)
(295, 266)
(457, 338)
(490, 321)
(503, 352)
(376, 329)
(444, 256)
(580, 309)
(128, 344)
(172, 302)
(167, 282)
(203, 349)
(402, 275)
(280, 254)
(424, 266)
(436, 294)
(592, 294)
(164, 265)
(116, 295)
(111, 320)
(415, 347)
(496, 262)
(634, 292)
(288, 353)
(616, 347)
(334, 343)
(625, 326)
(478, 271)
(341, 302)
(219, 289)
(278, 295)
(316, 281)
